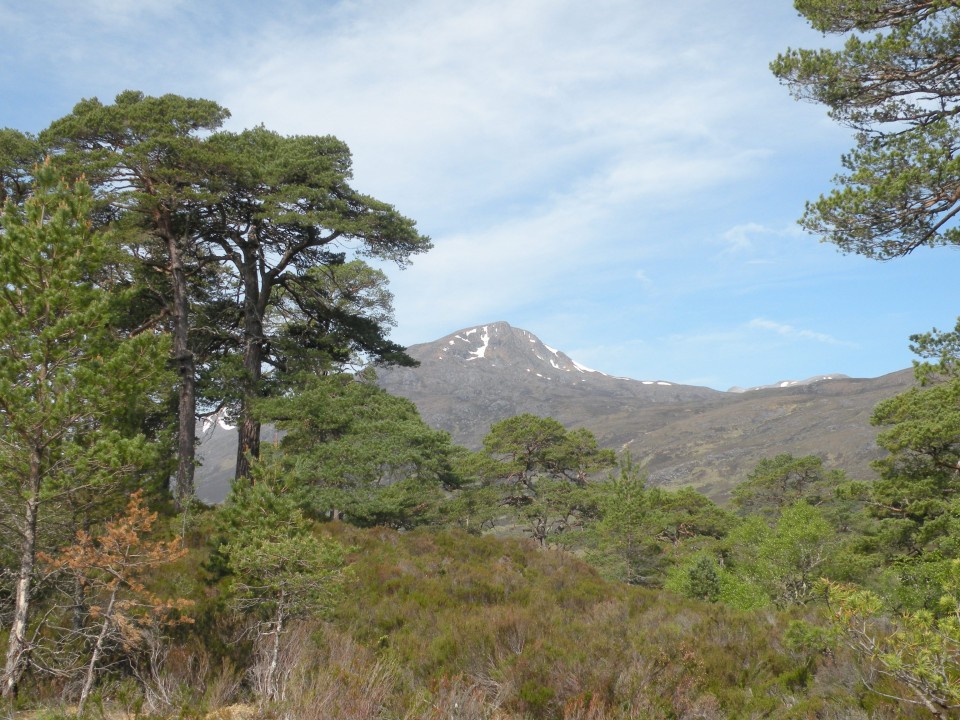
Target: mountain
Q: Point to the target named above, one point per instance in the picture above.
(681, 434)
(474, 377)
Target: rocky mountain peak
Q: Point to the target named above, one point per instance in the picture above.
(519, 360)
(501, 345)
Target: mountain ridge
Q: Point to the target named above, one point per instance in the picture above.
(680, 434)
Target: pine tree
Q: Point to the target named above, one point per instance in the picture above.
(145, 161)
(281, 571)
(544, 468)
(68, 384)
(894, 83)
(351, 450)
(232, 232)
(920, 649)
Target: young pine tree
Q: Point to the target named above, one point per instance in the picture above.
(281, 570)
(113, 567)
(68, 384)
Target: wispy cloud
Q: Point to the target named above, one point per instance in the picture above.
(532, 140)
(793, 333)
(753, 237)
(740, 237)
(452, 109)
(644, 278)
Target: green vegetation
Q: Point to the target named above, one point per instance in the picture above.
(72, 386)
(539, 469)
(352, 451)
(236, 243)
(363, 566)
(893, 82)
(280, 571)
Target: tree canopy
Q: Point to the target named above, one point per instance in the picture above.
(894, 82)
(780, 481)
(243, 243)
(351, 450)
(540, 469)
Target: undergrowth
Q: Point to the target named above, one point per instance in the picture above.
(439, 625)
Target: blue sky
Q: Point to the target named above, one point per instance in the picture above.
(620, 177)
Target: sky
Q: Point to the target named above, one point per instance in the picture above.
(622, 178)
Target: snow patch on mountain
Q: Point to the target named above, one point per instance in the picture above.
(482, 350)
(496, 341)
(217, 420)
(790, 383)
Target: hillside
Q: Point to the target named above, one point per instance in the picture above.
(683, 435)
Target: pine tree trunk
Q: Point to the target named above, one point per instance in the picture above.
(17, 645)
(79, 610)
(248, 431)
(183, 358)
(272, 690)
(248, 444)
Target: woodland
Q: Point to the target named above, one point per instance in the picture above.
(156, 269)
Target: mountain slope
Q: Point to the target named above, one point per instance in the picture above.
(683, 435)
(472, 378)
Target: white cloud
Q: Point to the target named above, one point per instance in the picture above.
(562, 155)
(643, 278)
(533, 140)
(753, 237)
(480, 276)
(789, 331)
(454, 109)
(739, 237)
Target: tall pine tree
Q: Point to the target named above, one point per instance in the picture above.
(229, 231)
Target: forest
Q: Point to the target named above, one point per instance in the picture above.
(156, 269)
